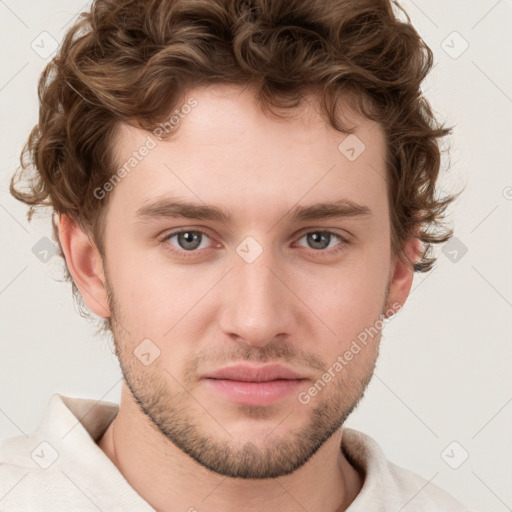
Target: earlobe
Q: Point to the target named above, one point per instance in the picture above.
(85, 265)
(402, 274)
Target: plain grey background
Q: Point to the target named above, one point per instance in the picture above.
(442, 389)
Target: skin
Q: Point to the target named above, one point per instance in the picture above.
(176, 440)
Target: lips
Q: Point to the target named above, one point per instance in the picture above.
(255, 385)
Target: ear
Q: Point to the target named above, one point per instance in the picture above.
(85, 265)
(402, 274)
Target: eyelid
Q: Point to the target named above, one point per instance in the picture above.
(345, 235)
(177, 231)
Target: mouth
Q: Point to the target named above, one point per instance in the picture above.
(255, 385)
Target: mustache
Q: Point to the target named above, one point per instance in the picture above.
(272, 352)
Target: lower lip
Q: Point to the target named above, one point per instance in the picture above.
(256, 393)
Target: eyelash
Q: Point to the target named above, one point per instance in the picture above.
(316, 252)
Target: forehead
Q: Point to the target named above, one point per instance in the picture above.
(226, 150)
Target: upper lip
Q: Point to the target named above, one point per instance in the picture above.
(251, 373)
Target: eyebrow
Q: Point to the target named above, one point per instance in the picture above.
(171, 208)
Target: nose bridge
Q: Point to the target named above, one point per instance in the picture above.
(257, 306)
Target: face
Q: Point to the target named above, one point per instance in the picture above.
(266, 279)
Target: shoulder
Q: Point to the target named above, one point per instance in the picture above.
(388, 486)
(421, 494)
(49, 469)
(29, 476)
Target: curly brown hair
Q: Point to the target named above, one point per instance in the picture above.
(132, 61)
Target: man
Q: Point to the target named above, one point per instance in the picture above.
(244, 191)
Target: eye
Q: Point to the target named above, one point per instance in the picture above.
(321, 240)
(188, 240)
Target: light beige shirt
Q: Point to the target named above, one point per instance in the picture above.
(60, 468)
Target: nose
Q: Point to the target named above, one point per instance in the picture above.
(257, 301)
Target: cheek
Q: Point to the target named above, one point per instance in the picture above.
(348, 298)
(146, 291)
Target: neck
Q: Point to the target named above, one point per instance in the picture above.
(170, 480)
